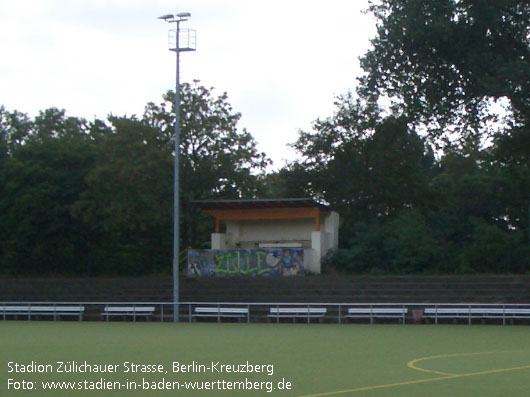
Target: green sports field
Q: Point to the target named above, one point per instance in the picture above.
(262, 359)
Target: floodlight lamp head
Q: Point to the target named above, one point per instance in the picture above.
(167, 17)
(184, 15)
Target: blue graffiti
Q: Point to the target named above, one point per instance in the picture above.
(246, 262)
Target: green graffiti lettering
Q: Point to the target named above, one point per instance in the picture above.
(260, 257)
(244, 262)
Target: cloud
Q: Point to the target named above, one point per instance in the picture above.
(281, 62)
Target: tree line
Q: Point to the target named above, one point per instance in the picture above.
(427, 161)
(93, 197)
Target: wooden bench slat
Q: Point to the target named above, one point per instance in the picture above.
(297, 312)
(42, 308)
(130, 309)
(218, 312)
(222, 310)
(377, 312)
(134, 311)
(293, 310)
(476, 312)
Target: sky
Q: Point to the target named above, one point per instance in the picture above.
(281, 62)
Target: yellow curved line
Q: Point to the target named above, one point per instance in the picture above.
(427, 380)
(412, 364)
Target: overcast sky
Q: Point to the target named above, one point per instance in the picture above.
(282, 62)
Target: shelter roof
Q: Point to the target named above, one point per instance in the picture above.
(258, 204)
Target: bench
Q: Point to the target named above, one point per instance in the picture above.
(41, 310)
(476, 312)
(126, 311)
(221, 312)
(377, 312)
(297, 312)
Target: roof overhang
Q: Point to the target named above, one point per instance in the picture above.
(258, 204)
(265, 209)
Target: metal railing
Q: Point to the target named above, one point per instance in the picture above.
(277, 312)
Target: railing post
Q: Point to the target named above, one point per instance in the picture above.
(248, 313)
(340, 313)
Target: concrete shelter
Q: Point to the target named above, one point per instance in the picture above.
(274, 224)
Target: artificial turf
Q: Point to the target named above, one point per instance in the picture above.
(317, 359)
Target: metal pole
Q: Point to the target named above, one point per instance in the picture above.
(176, 226)
(176, 207)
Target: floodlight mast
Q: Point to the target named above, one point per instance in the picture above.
(177, 19)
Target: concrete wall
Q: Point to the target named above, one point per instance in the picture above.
(331, 226)
(248, 234)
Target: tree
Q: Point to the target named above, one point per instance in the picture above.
(443, 66)
(444, 63)
(127, 203)
(218, 160)
(53, 123)
(129, 198)
(15, 128)
(494, 250)
(510, 158)
(365, 167)
(402, 245)
(291, 181)
(39, 185)
(97, 197)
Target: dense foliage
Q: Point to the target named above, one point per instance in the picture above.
(406, 210)
(426, 171)
(451, 63)
(96, 197)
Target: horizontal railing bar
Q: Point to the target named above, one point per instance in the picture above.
(125, 303)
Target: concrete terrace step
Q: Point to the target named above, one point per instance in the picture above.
(325, 288)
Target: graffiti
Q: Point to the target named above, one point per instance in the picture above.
(246, 262)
